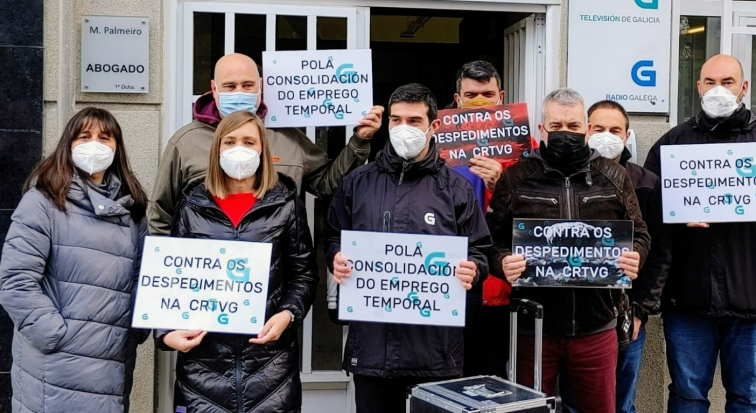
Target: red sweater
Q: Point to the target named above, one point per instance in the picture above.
(235, 206)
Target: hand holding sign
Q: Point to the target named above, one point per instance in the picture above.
(273, 328)
(487, 169)
(513, 266)
(630, 263)
(341, 268)
(697, 225)
(370, 124)
(184, 340)
(466, 273)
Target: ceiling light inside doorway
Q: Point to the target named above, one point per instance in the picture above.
(415, 25)
(694, 30)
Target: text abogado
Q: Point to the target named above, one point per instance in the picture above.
(114, 68)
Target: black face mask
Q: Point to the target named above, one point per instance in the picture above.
(566, 151)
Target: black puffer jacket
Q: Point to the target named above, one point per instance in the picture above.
(226, 374)
(532, 189)
(712, 272)
(647, 289)
(392, 195)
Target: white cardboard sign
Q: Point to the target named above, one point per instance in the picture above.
(403, 279)
(213, 285)
(317, 87)
(709, 182)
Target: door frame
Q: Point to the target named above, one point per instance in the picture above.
(178, 93)
(173, 30)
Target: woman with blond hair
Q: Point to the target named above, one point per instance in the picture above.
(244, 199)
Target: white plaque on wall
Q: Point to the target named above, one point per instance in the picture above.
(115, 54)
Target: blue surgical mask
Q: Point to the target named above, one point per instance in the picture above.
(231, 102)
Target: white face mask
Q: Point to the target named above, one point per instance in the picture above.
(92, 157)
(239, 162)
(719, 102)
(609, 145)
(408, 141)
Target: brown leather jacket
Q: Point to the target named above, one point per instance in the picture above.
(532, 189)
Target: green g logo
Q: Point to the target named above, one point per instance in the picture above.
(521, 226)
(575, 261)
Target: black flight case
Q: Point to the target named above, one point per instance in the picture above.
(491, 394)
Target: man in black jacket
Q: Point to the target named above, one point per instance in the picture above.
(565, 179)
(709, 302)
(608, 130)
(408, 189)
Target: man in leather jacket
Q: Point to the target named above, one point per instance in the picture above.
(565, 179)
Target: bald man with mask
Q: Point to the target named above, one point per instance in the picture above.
(709, 301)
(236, 85)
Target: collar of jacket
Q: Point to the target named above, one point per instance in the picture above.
(199, 196)
(206, 111)
(743, 120)
(388, 161)
(536, 154)
(625, 157)
(100, 200)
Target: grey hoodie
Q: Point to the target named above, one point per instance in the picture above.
(186, 157)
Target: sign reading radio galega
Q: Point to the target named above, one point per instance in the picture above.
(115, 54)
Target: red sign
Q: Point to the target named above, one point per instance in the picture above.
(498, 132)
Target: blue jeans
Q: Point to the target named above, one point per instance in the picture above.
(628, 371)
(693, 345)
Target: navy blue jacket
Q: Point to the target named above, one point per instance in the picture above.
(393, 195)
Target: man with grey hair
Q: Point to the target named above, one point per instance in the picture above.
(566, 179)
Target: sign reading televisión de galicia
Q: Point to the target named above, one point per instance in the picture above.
(633, 39)
(115, 54)
(570, 253)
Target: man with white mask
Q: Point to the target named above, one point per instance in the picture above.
(608, 132)
(709, 301)
(408, 189)
(236, 86)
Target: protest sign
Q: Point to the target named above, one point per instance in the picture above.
(708, 183)
(570, 253)
(213, 285)
(500, 132)
(317, 87)
(403, 278)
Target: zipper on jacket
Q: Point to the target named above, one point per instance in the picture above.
(574, 306)
(401, 176)
(588, 198)
(387, 221)
(239, 392)
(539, 198)
(569, 196)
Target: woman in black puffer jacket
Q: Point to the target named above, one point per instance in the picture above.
(244, 199)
